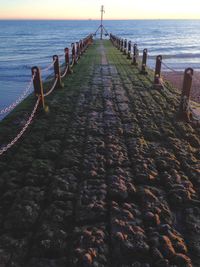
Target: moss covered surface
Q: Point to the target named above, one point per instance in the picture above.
(107, 177)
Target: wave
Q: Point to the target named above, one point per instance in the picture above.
(182, 55)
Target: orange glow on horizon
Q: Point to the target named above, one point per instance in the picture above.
(90, 9)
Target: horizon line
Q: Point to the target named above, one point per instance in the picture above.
(97, 19)
(90, 19)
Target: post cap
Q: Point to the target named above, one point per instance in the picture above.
(189, 71)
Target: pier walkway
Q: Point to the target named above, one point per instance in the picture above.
(106, 177)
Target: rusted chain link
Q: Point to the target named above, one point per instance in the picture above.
(65, 72)
(12, 143)
(61, 55)
(162, 82)
(22, 96)
(188, 106)
(48, 67)
(72, 63)
(195, 116)
(52, 88)
(4, 148)
(196, 79)
(169, 68)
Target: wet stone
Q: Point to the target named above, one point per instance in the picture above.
(90, 246)
(128, 236)
(91, 205)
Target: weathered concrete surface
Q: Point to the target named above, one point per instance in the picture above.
(107, 178)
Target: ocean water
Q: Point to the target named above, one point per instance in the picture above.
(24, 44)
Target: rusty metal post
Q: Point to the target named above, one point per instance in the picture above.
(157, 76)
(118, 43)
(77, 50)
(125, 46)
(67, 63)
(144, 62)
(57, 71)
(135, 54)
(74, 53)
(81, 47)
(129, 50)
(66, 56)
(184, 108)
(122, 45)
(86, 44)
(90, 40)
(38, 86)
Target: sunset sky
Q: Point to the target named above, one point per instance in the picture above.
(85, 9)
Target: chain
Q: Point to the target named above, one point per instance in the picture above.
(196, 79)
(162, 82)
(66, 70)
(194, 107)
(72, 64)
(23, 95)
(12, 143)
(52, 88)
(61, 55)
(164, 64)
(49, 67)
(186, 103)
(188, 106)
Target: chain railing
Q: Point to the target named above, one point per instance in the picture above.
(49, 67)
(36, 81)
(52, 88)
(19, 99)
(168, 67)
(65, 72)
(19, 135)
(185, 108)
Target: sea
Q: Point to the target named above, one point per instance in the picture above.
(26, 43)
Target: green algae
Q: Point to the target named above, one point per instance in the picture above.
(102, 169)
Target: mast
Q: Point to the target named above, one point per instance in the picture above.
(102, 11)
(101, 28)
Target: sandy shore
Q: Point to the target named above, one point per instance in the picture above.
(176, 78)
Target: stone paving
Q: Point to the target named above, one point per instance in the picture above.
(107, 178)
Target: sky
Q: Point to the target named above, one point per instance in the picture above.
(90, 9)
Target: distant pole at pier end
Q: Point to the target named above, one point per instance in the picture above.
(102, 11)
(101, 28)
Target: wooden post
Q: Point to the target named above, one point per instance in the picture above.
(117, 42)
(67, 63)
(129, 50)
(90, 39)
(144, 62)
(135, 52)
(125, 46)
(157, 76)
(81, 46)
(77, 50)
(184, 109)
(74, 53)
(37, 84)
(57, 71)
(122, 45)
(66, 56)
